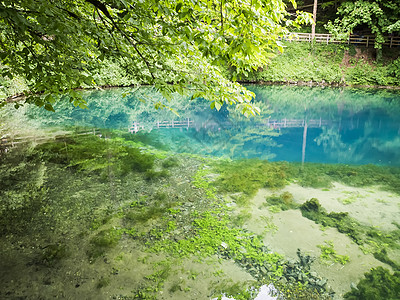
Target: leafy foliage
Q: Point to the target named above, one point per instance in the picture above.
(325, 64)
(380, 17)
(58, 47)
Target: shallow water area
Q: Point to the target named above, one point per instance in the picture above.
(123, 202)
(287, 231)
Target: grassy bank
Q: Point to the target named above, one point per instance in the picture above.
(300, 63)
(330, 64)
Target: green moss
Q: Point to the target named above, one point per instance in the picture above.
(383, 257)
(170, 162)
(363, 235)
(284, 201)
(93, 154)
(141, 215)
(103, 282)
(328, 253)
(247, 176)
(240, 219)
(154, 175)
(53, 253)
(379, 283)
(103, 241)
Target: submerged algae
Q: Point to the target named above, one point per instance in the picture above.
(247, 176)
(283, 202)
(363, 235)
(185, 233)
(379, 283)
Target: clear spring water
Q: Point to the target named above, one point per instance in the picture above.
(310, 124)
(327, 125)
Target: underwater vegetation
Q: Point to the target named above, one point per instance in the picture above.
(379, 283)
(119, 191)
(329, 254)
(247, 176)
(282, 202)
(90, 153)
(102, 241)
(369, 238)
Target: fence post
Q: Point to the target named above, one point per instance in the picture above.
(391, 41)
(367, 40)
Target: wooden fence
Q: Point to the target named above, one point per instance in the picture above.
(9, 141)
(273, 124)
(186, 123)
(365, 40)
(297, 123)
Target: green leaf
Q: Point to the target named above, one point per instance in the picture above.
(49, 107)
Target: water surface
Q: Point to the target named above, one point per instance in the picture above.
(310, 124)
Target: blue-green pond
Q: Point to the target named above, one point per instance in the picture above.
(122, 201)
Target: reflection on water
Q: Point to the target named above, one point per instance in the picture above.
(348, 126)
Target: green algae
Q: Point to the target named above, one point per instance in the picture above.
(103, 241)
(284, 201)
(53, 253)
(369, 238)
(379, 283)
(90, 153)
(329, 254)
(248, 176)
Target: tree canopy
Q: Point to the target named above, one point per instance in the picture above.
(379, 16)
(177, 46)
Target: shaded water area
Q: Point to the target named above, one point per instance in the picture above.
(122, 201)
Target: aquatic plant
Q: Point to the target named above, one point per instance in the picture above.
(170, 162)
(328, 253)
(103, 282)
(102, 241)
(241, 218)
(247, 176)
(90, 153)
(379, 283)
(284, 201)
(235, 290)
(200, 181)
(53, 253)
(154, 175)
(363, 235)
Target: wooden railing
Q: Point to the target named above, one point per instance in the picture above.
(273, 124)
(9, 141)
(186, 123)
(365, 40)
(284, 123)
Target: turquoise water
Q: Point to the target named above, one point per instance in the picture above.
(106, 216)
(310, 124)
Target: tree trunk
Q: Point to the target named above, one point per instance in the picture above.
(314, 20)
